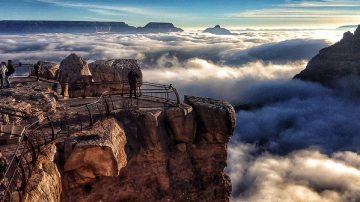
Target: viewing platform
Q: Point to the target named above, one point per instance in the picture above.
(36, 112)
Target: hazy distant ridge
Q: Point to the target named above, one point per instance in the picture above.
(15, 26)
(348, 27)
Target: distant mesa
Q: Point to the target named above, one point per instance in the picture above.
(156, 27)
(217, 30)
(23, 26)
(335, 62)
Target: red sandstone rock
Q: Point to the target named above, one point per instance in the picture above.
(45, 182)
(166, 158)
(73, 69)
(48, 70)
(114, 70)
(97, 152)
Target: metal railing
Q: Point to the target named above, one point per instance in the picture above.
(146, 90)
(160, 92)
(51, 128)
(42, 132)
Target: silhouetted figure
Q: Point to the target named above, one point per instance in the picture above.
(132, 76)
(10, 68)
(3, 77)
(37, 67)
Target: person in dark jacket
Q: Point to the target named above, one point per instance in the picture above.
(132, 76)
(10, 68)
(37, 67)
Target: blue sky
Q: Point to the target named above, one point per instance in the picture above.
(191, 13)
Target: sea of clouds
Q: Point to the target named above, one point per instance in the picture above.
(300, 143)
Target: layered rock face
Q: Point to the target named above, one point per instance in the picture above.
(26, 102)
(114, 70)
(174, 154)
(73, 69)
(217, 30)
(45, 181)
(335, 62)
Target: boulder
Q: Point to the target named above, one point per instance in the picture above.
(335, 62)
(97, 152)
(73, 69)
(114, 70)
(48, 70)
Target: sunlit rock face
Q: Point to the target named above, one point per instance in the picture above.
(173, 154)
(45, 181)
(96, 152)
(73, 69)
(114, 70)
(335, 62)
(48, 70)
(26, 101)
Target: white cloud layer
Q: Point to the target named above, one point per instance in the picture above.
(301, 142)
(303, 175)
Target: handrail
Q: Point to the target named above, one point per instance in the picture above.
(146, 89)
(25, 140)
(31, 137)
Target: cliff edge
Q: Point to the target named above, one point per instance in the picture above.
(170, 154)
(335, 62)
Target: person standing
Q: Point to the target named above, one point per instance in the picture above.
(3, 72)
(11, 70)
(132, 76)
(37, 67)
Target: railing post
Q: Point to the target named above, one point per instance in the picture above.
(52, 129)
(91, 116)
(107, 106)
(65, 90)
(176, 94)
(32, 148)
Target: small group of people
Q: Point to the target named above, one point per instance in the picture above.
(6, 70)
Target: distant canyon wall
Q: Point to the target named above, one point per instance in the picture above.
(18, 26)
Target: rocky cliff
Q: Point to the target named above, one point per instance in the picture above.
(335, 62)
(170, 154)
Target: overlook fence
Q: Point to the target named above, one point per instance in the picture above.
(24, 148)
